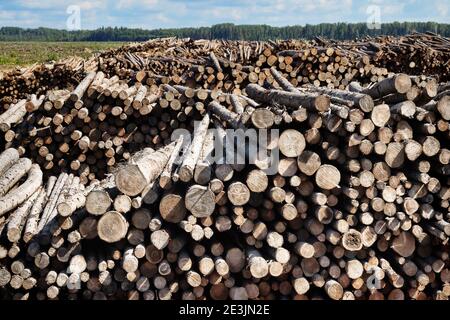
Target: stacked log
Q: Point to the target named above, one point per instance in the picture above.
(39, 78)
(321, 61)
(416, 54)
(144, 180)
(357, 207)
(99, 123)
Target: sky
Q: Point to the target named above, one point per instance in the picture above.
(153, 14)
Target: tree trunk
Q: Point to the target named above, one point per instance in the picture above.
(399, 83)
(19, 217)
(31, 227)
(186, 171)
(14, 174)
(16, 197)
(7, 158)
(318, 103)
(79, 91)
(142, 169)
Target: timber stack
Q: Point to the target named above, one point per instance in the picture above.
(101, 197)
(39, 78)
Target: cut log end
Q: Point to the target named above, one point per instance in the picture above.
(403, 83)
(328, 177)
(98, 202)
(352, 240)
(112, 227)
(172, 208)
(200, 201)
(130, 180)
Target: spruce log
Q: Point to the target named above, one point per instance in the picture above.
(172, 208)
(363, 101)
(291, 143)
(224, 114)
(399, 83)
(318, 103)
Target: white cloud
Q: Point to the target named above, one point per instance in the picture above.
(129, 4)
(442, 7)
(7, 15)
(90, 5)
(162, 18)
(185, 13)
(393, 9)
(27, 19)
(36, 4)
(58, 4)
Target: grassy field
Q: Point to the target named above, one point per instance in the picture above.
(14, 54)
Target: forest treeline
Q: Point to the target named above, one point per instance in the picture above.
(339, 31)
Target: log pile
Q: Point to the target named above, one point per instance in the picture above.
(231, 65)
(415, 54)
(89, 129)
(320, 62)
(354, 204)
(38, 78)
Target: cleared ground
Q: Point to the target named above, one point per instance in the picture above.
(14, 54)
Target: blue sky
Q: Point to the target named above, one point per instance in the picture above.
(152, 14)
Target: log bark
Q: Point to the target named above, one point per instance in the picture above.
(283, 82)
(142, 169)
(186, 171)
(16, 197)
(79, 91)
(360, 100)
(52, 200)
(165, 180)
(311, 102)
(31, 227)
(224, 114)
(7, 158)
(203, 168)
(13, 115)
(399, 83)
(14, 174)
(19, 217)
